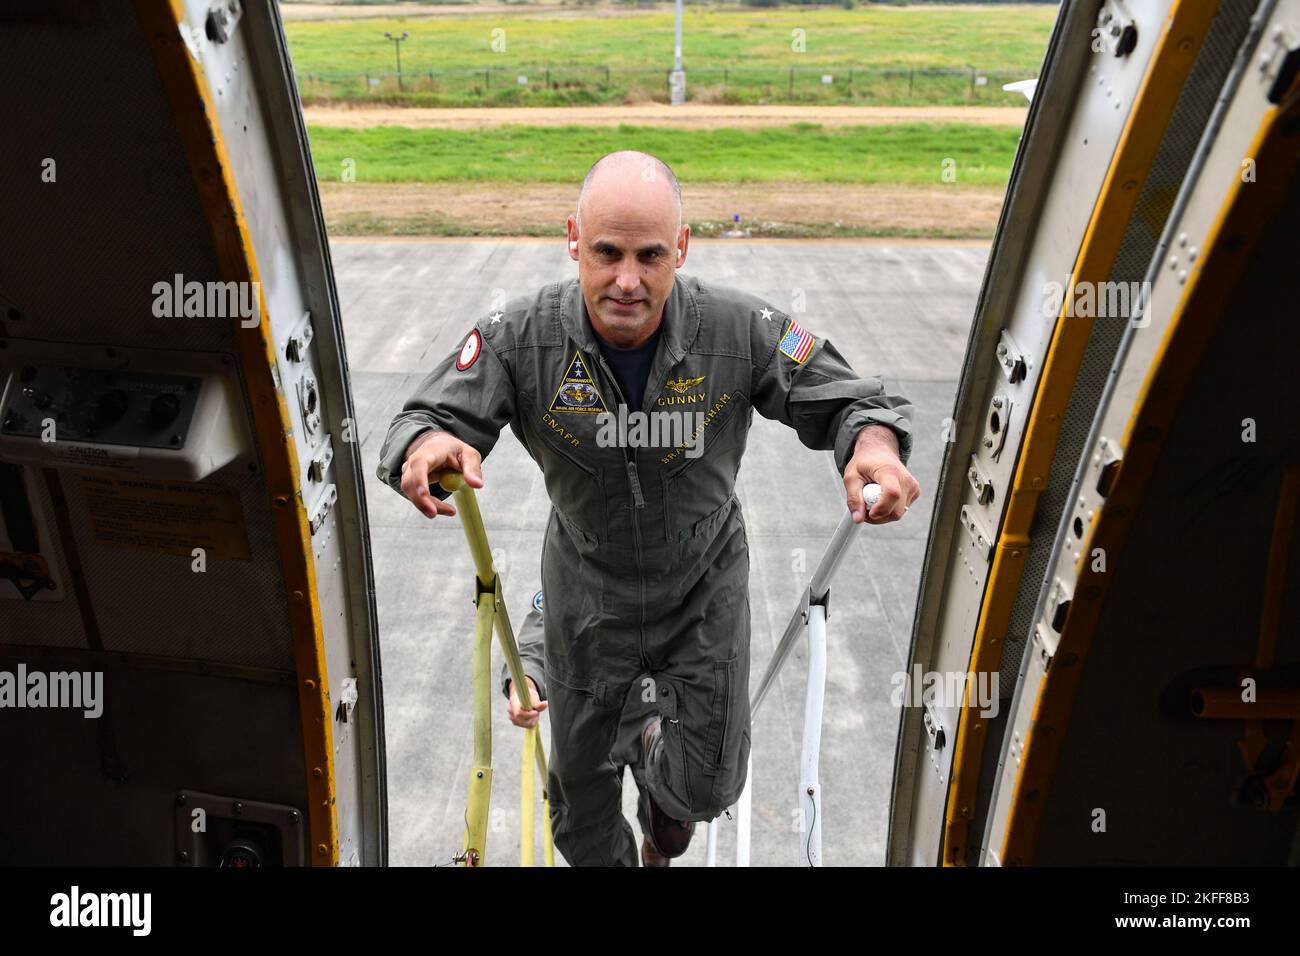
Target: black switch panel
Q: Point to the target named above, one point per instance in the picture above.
(102, 405)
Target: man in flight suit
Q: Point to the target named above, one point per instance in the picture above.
(633, 389)
(639, 705)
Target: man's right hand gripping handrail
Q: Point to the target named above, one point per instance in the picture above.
(471, 520)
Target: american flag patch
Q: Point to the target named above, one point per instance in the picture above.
(797, 343)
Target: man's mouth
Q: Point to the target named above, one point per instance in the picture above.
(627, 303)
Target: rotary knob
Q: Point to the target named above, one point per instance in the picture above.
(164, 409)
(110, 407)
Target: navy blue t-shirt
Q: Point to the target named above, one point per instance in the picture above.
(631, 367)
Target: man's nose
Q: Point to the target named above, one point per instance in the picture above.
(629, 277)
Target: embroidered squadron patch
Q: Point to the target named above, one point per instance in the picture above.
(537, 602)
(796, 343)
(683, 385)
(470, 350)
(578, 392)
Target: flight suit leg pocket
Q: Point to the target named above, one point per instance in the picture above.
(580, 685)
(673, 767)
(725, 746)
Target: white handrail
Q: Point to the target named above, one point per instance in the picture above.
(809, 617)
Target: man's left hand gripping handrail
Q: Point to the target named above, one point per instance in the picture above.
(493, 614)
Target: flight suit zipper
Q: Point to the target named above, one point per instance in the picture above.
(638, 504)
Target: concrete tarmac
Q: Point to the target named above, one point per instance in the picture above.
(900, 310)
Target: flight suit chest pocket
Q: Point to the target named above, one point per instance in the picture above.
(575, 486)
(585, 541)
(567, 435)
(697, 493)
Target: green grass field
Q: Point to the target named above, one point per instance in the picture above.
(337, 59)
(904, 154)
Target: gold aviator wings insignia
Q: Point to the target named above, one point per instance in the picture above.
(683, 385)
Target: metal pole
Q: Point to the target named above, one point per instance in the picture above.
(815, 593)
(526, 810)
(677, 76)
(809, 615)
(474, 849)
(677, 44)
(744, 814)
(397, 46)
(810, 792)
(471, 520)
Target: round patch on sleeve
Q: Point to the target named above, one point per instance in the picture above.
(470, 350)
(537, 601)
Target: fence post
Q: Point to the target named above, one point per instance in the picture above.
(911, 74)
(724, 78)
(972, 82)
(487, 79)
(607, 76)
(791, 94)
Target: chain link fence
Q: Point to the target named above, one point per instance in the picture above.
(497, 86)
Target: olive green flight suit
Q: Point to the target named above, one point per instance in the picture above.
(639, 705)
(645, 563)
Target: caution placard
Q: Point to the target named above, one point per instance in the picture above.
(169, 516)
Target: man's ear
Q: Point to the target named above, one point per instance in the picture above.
(571, 230)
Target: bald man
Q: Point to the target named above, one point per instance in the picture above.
(633, 388)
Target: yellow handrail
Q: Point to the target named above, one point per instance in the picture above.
(491, 615)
